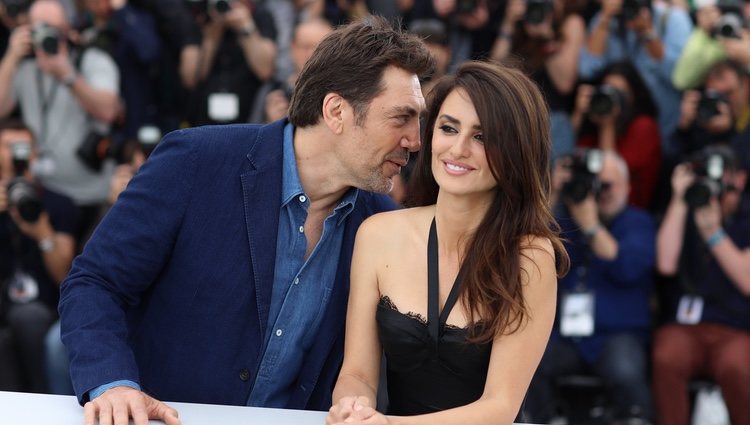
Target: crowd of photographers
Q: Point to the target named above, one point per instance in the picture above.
(650, 113)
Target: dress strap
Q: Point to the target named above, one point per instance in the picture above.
(436, 319)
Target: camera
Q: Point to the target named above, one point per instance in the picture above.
(22, 194)
(16, 7)
(537, 11)
(606, 99)
(708, 166)
(464, 7)
(46, 38)
(221, 6)
(95, 149)
(708, 105)
(632, 8)
(585, 165)
(729, 26)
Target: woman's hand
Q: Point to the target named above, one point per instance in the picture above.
(348, 409)
(372, 417)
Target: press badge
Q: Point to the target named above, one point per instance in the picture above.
(23, 288)
(223, 106)
(577, 315)
(690, 310)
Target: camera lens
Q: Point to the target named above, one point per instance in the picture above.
(23, 196)
(222, 6)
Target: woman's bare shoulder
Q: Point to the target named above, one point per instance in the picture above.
(397, 221)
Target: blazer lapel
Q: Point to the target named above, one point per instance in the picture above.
(261, 189)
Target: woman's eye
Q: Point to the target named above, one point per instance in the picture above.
(479, 138)
(447, 129)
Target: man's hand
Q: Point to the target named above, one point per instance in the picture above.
(38, 230)
(585, 213)
(708, 218)
(117, 405)
(3, 196)
(689, 108)
(682, 178)
(277, 105)
(721, 122)
(611, 8)
(19, 45)
(239, 17)
(117, 4)
(58, 65)
(350, 409)
(738, 49)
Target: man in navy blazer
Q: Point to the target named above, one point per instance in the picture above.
(221, 274)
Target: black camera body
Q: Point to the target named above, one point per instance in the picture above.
(464, 7)
(606, 99)
(585, 165)
(708, 105)
(708, 168)
(221, 6)
(632, 8)
(23, 194)
(46, 38)
(537, 11)
(16, 7)
(730, 25)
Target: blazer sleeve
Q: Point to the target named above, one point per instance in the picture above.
(119, 263)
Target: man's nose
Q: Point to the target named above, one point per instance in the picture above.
(412, 140)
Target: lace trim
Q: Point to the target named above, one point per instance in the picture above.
(387, 302)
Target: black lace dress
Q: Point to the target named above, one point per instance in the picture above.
(430, 365)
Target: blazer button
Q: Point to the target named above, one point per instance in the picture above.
(244, 374)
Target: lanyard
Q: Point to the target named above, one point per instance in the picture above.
(436, 321)
(45, 102)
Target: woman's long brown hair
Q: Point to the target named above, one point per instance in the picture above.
(515, 127)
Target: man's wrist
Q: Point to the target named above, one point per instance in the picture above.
(247, 30)
(716, 237)
(47, 244)
(591, 231)
(96, 392)
(69, 79)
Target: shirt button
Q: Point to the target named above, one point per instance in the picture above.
(296, 280)
(279, 332)
(302, 229)
(244, 375)
(302, 198)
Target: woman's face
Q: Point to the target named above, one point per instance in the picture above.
(459, 161)
(620, 83)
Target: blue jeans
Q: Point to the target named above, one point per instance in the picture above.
(58, 372)
(622, 366)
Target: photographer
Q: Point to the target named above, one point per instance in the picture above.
(720, 114)
(602, 324)
(272, 100)
(618, 113)
(721, 32)
(36, 251)
(67, 98)
(652, 37)
(237, 55)
(549, 35)
(704, 241)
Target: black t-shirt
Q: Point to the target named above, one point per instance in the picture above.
(230, 73)
(19, 252)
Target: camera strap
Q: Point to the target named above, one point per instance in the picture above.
(45, 103)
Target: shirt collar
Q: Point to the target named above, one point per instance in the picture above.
(291, 186)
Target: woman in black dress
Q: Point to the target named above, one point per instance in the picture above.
(458, 292)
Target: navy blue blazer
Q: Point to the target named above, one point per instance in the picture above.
(174, 287)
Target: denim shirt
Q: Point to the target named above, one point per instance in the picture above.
(301, 288)
(673, 26)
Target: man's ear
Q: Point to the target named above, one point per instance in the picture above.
(334, 112)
